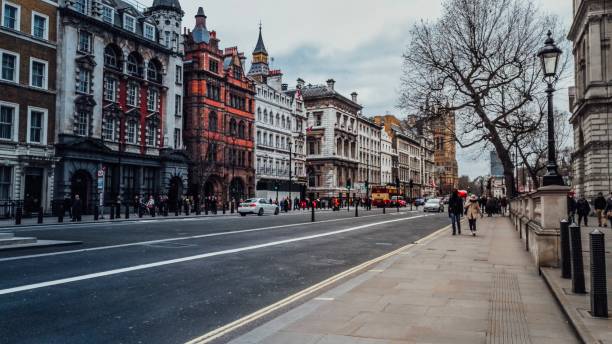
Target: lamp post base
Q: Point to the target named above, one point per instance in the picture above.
(552, 179)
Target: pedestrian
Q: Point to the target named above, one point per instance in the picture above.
(472, 211)
(77, 208)
(455, 209)
(600, 206)
(583, 209)
(68, 206)
(504, 205)
(608, 210)
(151, 206)
(490, 207)
(571, 208)
(483, 203)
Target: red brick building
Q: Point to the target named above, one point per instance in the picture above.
(219, 116)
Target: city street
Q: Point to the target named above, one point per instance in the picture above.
(168, 281)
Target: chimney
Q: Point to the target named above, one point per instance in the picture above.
(284, 87)
(354, 97)
(330, 84)
(300, 83)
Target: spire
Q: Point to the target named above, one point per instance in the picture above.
(200, 33)
(260, 48)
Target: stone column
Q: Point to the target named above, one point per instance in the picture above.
(544, 243)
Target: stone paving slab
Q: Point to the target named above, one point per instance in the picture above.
(438, 292)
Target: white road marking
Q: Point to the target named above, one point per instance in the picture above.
(177, 239)
(324, 298)
(376, 270)
(191, 258)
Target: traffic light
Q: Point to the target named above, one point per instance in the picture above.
(411, 183)
(367, 184)
(348, 183)
(397, 182)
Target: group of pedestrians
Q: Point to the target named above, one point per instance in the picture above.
(582, 208)
(473, 209)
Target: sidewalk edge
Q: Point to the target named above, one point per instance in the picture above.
(571, 314)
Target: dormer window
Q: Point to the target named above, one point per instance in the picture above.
(129, 23)
(108, 14)
(149, 31)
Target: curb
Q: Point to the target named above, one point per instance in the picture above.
(572, 314)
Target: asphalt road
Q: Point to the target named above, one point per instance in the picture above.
(168, 281)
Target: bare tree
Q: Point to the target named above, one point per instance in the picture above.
(478, 61)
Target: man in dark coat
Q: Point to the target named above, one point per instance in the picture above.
(455, 210)
(76, 208)
(583, 209)
(571, 208)
(599, 205)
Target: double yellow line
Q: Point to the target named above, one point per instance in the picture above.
(226, 329)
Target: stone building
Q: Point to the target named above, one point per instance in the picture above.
(387, 155)
(445, 153)
(280, 159)
(119, 101)
(591, 98)
(28, 49)
(331, 140)
(369, 154)
(219, 111)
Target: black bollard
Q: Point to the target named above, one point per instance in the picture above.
(18, 215)
(599, 290)
(198, 211)
(312, 214)
(118, 210)
(384, 207)
(231, 207)
(206, 208)
(96, 213)
(577, 263)
(40, 215)
(566, 260)
(60, 215)
(127, 211)
(223, 208)
(140, 212)
(176, 209)
(357, 209)
(112, 212)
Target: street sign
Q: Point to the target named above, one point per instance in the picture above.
(101, 173)
(100, 183)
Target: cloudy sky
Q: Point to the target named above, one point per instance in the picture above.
(359, 43)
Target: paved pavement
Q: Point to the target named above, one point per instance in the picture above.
(451, 289)
(167, 281)
(577, 306)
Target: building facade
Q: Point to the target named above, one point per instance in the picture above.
(387, 155)
(119, 101)
(280, 161)
(445, 154)
(369, 138)
(219, 111)
(591, 98)
(28, 49)
(331, 140)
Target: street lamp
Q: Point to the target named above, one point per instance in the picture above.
(549, 58)
(290, 180)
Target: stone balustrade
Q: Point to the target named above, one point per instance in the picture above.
(536, 217)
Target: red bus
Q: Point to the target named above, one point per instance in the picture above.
(382, 195)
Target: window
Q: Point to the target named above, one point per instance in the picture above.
(213, 92)
(40, 25)
(81, 6)
(177, 138)
(131, 131)
(132, 94)
(212, 121)
(152, 100)
(213, 66)
(81, 125)
(108, 14)
(149, 180)
(83, 82)
(152, 135)
(167, 38)
(133, 65)
(5, 182)
(84, 41)
(129, 23)
(178, 105)
(110, 89)
(153, 71)
(10, 17)
(8, 121)
(10, 66)
(110, 57)
(149, 31)
(179, 75)
(237, 73)
(37, 122)
(108, 129)
(38, 73)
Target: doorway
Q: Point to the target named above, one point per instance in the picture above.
(80, 184)
(32, 199)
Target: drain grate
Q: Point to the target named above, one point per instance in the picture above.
(507, 321)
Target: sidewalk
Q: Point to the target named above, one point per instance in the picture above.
(463, 289)
(577, 307)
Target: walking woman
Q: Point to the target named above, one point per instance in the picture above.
(472, 211)
(455, 209)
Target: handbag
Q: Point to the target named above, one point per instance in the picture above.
(609, 214)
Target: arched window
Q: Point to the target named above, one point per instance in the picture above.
(233, 127)
(259, 114)
(134, 64)
(265, 116)
(241, 130)
(278, 119)
(111, 57)
(154, 71)
(283, 122)
(212, 121)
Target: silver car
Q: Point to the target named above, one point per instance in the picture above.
(257, 206)
(433, 205)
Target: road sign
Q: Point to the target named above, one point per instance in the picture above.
(101, 173)
(100, 183)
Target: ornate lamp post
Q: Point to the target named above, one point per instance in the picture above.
(549, 58)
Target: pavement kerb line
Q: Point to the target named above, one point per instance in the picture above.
(226, 329)
(177, 239)
(191, 258)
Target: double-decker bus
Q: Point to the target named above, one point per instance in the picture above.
(381, 195)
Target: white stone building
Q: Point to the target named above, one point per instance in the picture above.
(119, 106)
(387, 155)
(591, 98)
(280, 160)
(369, 153)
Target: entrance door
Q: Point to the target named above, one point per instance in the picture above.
(81, 185)
(33, 193)
(174, 193)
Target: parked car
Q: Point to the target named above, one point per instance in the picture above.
(397, 199)
(433, 205)
(419, 201)
(257, 206)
